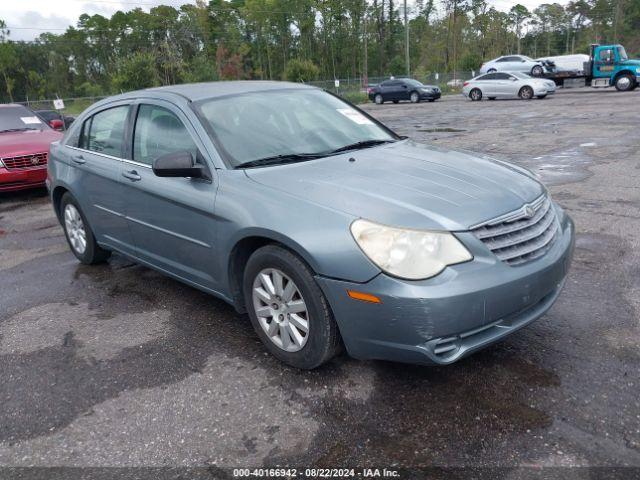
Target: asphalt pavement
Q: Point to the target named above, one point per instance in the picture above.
(118, 366)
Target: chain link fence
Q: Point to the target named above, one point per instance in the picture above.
(353, 89)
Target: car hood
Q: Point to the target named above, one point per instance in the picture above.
(407, 184)
(27, 142)
(631, 63)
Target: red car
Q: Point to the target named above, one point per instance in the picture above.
(24, 148)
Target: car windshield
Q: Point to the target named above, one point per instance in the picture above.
(297, 124)
(623, 54)
(18, 118)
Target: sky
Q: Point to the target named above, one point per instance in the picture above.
(26, 19)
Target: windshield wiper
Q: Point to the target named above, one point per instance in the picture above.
(280, 159)
(362, 144)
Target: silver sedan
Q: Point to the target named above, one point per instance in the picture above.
(507, 85)
(514, 63)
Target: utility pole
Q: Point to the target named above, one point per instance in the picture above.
(365, 79)
(406, 40)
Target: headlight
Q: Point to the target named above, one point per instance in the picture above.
(408, 254)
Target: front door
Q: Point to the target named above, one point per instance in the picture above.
(171, 219)
(605, 62)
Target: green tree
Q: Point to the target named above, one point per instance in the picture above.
(135, 72)
(301, 71)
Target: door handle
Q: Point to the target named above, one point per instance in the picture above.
(132, 175)
(79, 159)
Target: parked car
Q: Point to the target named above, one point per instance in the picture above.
(398, 89)
(514, 63)
(24, 148)
(55, 119)
(507, 85)
(316, 219)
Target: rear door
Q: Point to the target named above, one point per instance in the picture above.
(505, 86)
(171, 219)
(487, 85)
(96, 176)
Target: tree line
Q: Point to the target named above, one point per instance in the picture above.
(298, 40)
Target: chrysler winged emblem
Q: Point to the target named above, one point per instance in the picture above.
(529, 211)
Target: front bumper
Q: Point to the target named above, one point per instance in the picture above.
(19, 179)
(465, 308)
(431, 95)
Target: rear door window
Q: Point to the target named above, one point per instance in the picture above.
(104, 131)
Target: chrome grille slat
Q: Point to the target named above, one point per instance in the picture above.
(33, 160)
(516, 240)
(509, 227)
(528, 233)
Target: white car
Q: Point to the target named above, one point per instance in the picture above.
(507, 85)
(514, 63)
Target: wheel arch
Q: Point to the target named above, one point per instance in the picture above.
(56, 198)
(623, 72)
(245, 246)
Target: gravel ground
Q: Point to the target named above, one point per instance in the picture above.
(117, 365)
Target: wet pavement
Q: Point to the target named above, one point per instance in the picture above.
(117, 365)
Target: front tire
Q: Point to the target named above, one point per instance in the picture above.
(526, 93)
(625, 83)
(288, 310)
(79, 235)
(415, 97)
(378, 99)
(537, 71)
(475, 95)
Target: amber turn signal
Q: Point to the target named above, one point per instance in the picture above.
(363, 297)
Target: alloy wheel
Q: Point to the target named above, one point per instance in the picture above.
(75, 229)
(282, 312)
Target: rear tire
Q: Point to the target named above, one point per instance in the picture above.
(526, 93)
(78, 232)
(625, 83)
(475, 95)
(378, 99)
(322, 339)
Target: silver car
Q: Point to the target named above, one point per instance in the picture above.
(507, 85)
(514, 63)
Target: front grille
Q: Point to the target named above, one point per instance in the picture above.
(26, 161)
(521, 236)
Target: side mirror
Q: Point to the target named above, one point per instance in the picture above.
(178, 164)
(56, 124)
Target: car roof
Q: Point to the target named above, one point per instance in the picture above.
(206, 90)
